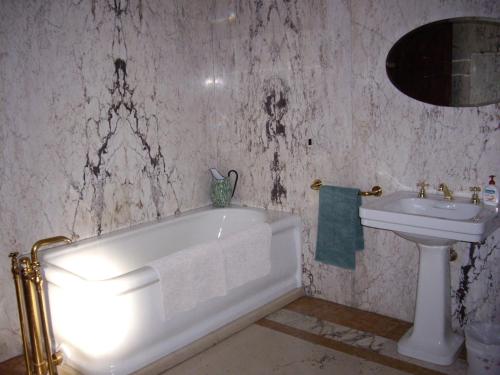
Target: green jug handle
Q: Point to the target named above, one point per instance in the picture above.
(235, 181)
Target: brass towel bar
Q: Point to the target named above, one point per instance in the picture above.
(31, 303)
(376, 190)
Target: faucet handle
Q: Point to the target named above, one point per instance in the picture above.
(422, 185)
(475, 196)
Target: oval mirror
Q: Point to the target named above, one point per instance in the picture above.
(453, 62)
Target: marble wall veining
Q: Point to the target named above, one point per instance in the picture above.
(399, 141)
(287, 78)
(112, 111)
(103, 121)
(295, 72)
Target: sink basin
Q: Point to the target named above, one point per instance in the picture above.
(432, 220)
(434, 224)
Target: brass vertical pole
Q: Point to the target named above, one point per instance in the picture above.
(39, 363)
(43, 316)
(54, 359)
(20, 308)
(33, 315)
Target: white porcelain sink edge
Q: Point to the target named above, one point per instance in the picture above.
(382, 213)
(424, 231)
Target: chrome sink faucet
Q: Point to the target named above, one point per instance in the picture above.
(448, 194)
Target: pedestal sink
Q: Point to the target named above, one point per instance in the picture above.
(434, 224)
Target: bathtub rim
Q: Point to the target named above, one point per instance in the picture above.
(145, 275)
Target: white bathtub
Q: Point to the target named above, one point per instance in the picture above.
(105, 303)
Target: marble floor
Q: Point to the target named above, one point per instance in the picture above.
(308, 336)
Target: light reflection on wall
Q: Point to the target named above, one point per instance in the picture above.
(214, 82)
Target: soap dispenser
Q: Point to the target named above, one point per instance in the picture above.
(490, 193)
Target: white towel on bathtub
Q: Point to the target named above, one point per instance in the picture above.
(190, 277)
(247, 255)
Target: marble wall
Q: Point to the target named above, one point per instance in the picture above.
(112, 111)
(399, 141)
(293, 73)
(103, 112)
(287, 72)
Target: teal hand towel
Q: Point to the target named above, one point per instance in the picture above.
(340, 233)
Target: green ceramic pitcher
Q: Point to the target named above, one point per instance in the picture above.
(221, 190)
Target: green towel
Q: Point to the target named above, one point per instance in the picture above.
(340, 233)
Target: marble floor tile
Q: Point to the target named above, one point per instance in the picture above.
(259, 350)
(377, 324)
(377, 348)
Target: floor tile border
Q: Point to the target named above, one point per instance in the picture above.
(363, 353)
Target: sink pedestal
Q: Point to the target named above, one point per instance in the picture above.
(434, 224)
(431, 339)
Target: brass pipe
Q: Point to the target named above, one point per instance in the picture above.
(39, 363)
(44, 320)
(46, 242)
(32, 308)
(53, 359)
(376, 190)
(21, 310)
